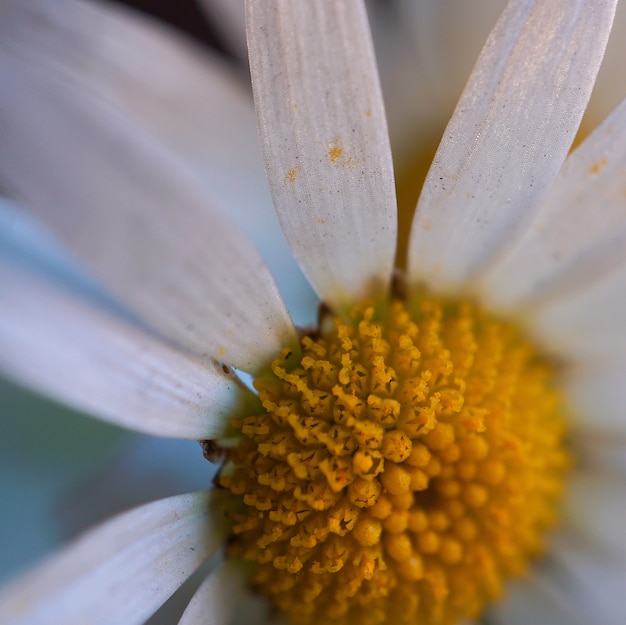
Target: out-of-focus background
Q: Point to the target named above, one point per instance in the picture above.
(185, 15)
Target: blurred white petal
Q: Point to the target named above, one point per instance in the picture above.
(534, 600)
(324, 136)
(121, 571)
(138, 219)
(610, 88)
(448, 36)
(585, 324)
(426, 50)
(600, 451)
(193, 103)
(216, 599)
(508, 137)
(578, 234)
(45, 448)
(595, 509)
(63, 346)
(591, 578)
(596, 393)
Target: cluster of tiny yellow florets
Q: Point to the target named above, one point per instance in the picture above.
(400, 470)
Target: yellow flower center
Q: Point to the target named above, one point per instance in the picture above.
(401, 470)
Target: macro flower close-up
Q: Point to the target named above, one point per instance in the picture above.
(445, 443)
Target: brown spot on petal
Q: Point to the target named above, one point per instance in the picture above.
(292, 174)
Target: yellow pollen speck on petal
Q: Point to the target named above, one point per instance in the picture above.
(335, 153)
(597, 166)
(292, 174)
(401, 470)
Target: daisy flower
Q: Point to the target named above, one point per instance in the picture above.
(406, 457)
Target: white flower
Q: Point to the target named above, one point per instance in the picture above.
(505, 215)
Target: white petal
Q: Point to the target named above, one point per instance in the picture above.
(597, 395)
(509, 135)
(189, 100)
(586, 324)
(324, 137)
(121, 571)
(216, 599)
(579, 231)
(600, 451)
(534, 600)
(65, 347)
(138, 219)
(595, 509)
(592, 578)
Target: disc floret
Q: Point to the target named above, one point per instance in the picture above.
(401, 469)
